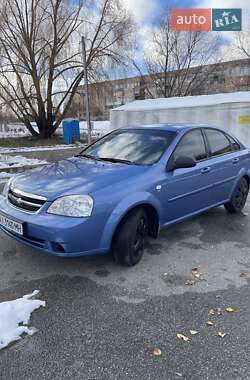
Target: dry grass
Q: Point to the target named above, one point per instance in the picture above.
(18, 142)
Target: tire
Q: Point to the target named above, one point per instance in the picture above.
(128, 244)
(239, 197)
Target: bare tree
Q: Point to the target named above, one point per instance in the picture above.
(240, 79)
(40, 54)
(242, 42)
(175, 61)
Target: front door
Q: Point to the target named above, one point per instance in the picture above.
(187, 190)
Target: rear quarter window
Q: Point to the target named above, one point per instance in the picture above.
(234, 144)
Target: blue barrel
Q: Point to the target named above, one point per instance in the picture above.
(71, 130)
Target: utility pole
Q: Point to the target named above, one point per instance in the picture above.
(86, 85)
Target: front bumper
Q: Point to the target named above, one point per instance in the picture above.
(57, 235)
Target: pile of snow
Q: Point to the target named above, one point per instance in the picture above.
(8, 162)
(186, 101)
(4, 175)
(14, 318)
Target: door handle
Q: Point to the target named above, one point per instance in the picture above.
(235, 160)
(205, 170)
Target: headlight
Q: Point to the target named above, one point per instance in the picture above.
(72, 205)
(6, 189)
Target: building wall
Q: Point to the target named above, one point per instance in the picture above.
(226, 116)
(217, 78)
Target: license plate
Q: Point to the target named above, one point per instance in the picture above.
(11, 225)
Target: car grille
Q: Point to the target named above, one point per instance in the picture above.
(24, 201)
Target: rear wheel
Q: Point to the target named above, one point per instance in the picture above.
(128, 244)
(239, 197)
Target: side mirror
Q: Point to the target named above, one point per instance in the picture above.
(181, 162)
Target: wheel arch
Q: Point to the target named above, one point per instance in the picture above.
(121, 212)
(152, 215)
(242, 174)
(247, 178)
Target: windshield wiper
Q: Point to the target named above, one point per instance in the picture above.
(108, 159)
(86, 156)
(116, 160)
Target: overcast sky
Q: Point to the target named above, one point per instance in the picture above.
(149, 11)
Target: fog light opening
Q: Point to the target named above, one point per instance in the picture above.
(57, 247)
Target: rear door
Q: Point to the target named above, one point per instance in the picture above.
(225, 163)
(187, 190)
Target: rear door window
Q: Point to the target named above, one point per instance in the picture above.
(218, 143)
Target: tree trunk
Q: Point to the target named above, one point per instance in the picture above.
(46, 128)
(28, 125)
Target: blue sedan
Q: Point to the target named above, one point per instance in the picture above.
(125, 187)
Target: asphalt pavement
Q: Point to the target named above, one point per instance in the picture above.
(103, 321)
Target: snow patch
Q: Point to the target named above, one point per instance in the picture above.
(13, 134)
(7, 162)
(19, 130)
(13, 130)
(99, 127)
(39, 148)
(15, 316)
(186, 101)
(4, 175)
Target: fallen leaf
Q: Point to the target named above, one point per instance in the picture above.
(197, 275)
(221, 335)
(193, 332)
(243, 274)
(195, 270)
(219, 311)
(183, 337)
(230, 309)
(157, 351)
(210, 323)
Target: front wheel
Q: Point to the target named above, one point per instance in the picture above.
(128, 244)
(239, 197)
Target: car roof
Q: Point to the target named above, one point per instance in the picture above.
(171, 127)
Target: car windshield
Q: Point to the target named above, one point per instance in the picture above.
(139, 147)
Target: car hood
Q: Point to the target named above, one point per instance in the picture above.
(74, 176)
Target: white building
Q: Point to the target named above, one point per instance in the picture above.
(230, 111)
